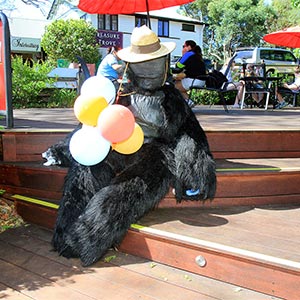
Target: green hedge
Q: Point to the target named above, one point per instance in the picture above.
(210, 98)
(30, 86)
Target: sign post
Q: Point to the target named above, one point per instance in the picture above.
(5, 72)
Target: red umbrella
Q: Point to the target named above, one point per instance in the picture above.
(289, 37)
(114, 7)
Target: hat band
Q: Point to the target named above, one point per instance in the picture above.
(146, 48)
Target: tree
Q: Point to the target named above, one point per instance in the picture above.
(197, 9)
(68, 38)
(232, 23)
(238, 23)
(241, 23)
(286, 15)
(295, 3)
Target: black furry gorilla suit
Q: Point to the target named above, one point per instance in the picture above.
(100, 202)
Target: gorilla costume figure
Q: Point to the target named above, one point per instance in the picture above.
(100, 202)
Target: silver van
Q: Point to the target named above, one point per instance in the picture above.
(280, 60)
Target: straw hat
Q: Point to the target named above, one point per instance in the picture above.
(145, 45)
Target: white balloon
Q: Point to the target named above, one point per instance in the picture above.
(88, 147)
(99, 86)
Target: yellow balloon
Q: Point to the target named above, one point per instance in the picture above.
(87, 108)
(133, 143)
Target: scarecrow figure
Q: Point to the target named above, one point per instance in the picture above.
(100, 202)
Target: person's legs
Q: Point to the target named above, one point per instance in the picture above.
(257, 97)
(184, 86)
(278, 96)
(239, 86)
(281, 103)
(183, 91)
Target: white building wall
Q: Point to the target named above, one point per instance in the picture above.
(127, 23)
(35, 28)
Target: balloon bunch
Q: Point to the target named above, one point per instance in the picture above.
(104, 125)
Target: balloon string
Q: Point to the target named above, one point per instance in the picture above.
(166, 72)
(119, 92)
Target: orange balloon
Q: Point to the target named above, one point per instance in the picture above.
(116, 123)
(133, 143)
(87, 108)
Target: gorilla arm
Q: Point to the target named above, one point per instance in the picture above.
(193, 165)
(165, 117)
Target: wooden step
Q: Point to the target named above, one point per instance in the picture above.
(27, 262)
(239, 182)
(254, 169)
(254, 144)
(252, 248)
(28, 146)
(255, 248)
(32, 179)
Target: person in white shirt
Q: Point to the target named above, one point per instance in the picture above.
(233, 85)
(295, 86)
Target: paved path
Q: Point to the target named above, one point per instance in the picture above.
(211, 118)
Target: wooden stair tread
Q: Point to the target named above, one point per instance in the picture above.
(251, 247)
(258, 164)
(239, 182)
(224, 238)
(25, 250)
(223, 165)
(229, 244)
(26, 146)
(231, 230)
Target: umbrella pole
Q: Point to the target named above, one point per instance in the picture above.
(148, 16)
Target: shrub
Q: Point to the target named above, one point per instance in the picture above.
(205, 97)
(62, 98)
(29, 79)
(31, 87)
(210, 98)
(68, 38)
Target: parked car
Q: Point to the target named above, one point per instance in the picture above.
(275, 59)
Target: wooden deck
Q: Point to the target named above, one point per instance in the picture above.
(29, 270)
(243, 245)
(252, 247)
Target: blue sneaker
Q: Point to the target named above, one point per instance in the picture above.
(190, 103)
(281, 105)
(192, 192)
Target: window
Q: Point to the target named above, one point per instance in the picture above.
(140, 21)
(108, 22)
(188, 27)
(163, 28)
(289, 57)
(242, 56)
(277, 55)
